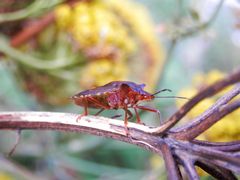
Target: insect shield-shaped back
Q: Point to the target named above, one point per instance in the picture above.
(119, 96)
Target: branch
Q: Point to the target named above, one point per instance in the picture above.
(204, 25)
(208, 153)
(204, 93)
(188, 164)
(215, 171)
(170, 162)
(223, 164)
(221, 146)
(95, 125)
(169, 144)
(209, 117)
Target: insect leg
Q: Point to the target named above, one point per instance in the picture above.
(116, 116)
(151, 110)
(137, 115)
(101, 110)
(85, 110)
(103, 107)
(127, 112)
(16, 143)
(130, 115)
(113, 117)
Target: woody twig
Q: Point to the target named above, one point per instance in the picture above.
(178, 146)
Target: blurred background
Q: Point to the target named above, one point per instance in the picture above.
(52, 50)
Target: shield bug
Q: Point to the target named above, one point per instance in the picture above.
(118, 95)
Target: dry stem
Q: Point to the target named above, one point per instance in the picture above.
(218, 159)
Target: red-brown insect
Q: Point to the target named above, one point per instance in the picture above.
(117, 95)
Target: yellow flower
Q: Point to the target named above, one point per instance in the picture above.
(143, 27)
(214, 76)
(63, 14)
(106, 41)
(100, 72)
(94, 23)
(125, 26)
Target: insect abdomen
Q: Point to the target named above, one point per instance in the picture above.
(93, 101)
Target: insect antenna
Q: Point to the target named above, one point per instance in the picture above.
(162, 90)
(176, 97)
(169, 90)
